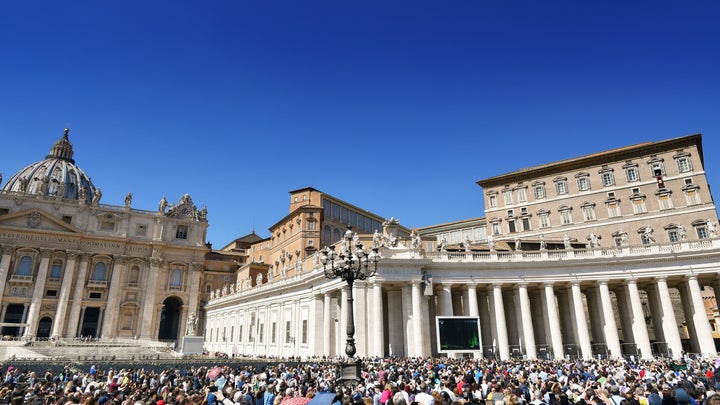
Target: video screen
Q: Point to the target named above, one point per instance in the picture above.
(458, 334)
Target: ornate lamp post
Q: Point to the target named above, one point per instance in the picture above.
(352, 263)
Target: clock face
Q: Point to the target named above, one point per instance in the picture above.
(185, 210)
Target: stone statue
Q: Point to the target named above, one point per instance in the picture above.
(377, 239)
(415, 241)
(97, 196)
(649, 234)
(566, 241)
(128, 200)
(259, 279)
(82, 193)
(24, 183)
(231, 290)
(443, 244)
(518, 243)
(467, 243)
(542, 241)
(491, 243)
(356, 239)
(712, 228)
(225, 290)
(163, 205)
(594, 240)
(203, 213)
(60, 190)
(682, 233)
(191, 324)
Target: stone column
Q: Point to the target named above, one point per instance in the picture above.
(474, 310)
(82, 319)
(609, 326)
(316, 326)
(501, 327)
(706, 344)
(24, 317)
(342, 331)
(193, 303)
(581, 321)
(119, 267)
(361, 319)
(74, 323)
(3, 311)
(528, 334)
(445, 305)
(64, 298)
(327, 325)
(7, 252)
(98, 332)
(418, 332)
(640, 333)
(149, 305)
(554, 322)
(377, 322)
(396, 322)
(38, 294)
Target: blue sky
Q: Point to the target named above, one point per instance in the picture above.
(398, 107)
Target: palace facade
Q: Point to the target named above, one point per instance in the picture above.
(604, 255)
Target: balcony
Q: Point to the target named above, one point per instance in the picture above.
(99, 284)
(21, 279)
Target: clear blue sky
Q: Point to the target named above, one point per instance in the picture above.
(395, 106)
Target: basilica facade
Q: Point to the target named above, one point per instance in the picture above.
(73, 267)
(607, 255)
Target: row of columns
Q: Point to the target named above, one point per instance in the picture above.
(517, 317)
(75, 274)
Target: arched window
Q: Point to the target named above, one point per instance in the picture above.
(99, 271)
(24, 268)
(182, 232)
(176, 278)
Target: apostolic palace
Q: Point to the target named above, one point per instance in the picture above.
(606, 255)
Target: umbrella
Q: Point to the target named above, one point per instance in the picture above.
(289, 400)
(322, 398)
(214, 373)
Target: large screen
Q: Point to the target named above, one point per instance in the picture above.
(458, 333)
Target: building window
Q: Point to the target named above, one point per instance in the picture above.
(66, 219)
(539, 190)
(182, 232)
(141, 230)
(607, 176)
(692, 194)
(511, 226)
(607, 179)
(176, 279)
(24, 267)
(526, 223)
(272, 333)
(588, 210)
(240, 335)
(134, 278)
(496, 228)
(561, 187)
(311, 225)
(656, 166)
(673, 235)
(107, 225)
(701, 229)
(613, 208)
(583, 181)
(508, 197)
(287, 332)
(683, 161)
(633, 174)
(56, 271)
(544, 219)
(664, 199)
(638, 204)
(99, 272)
(522, 194)
(565, 215)
(492, 201)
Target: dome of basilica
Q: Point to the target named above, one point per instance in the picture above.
(56, 175)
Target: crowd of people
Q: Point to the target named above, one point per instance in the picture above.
(383, 381)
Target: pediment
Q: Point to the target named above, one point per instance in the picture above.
(36, 220)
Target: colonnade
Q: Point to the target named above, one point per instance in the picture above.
(579, 318)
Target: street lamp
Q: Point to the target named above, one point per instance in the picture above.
(352, 263)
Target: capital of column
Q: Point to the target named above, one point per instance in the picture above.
(120, 259)
(155, 261)
(632, 280)
(548, 283)
(46, 253)
(8, 249)
(602, 282)
(71, 254)
(691, 277)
